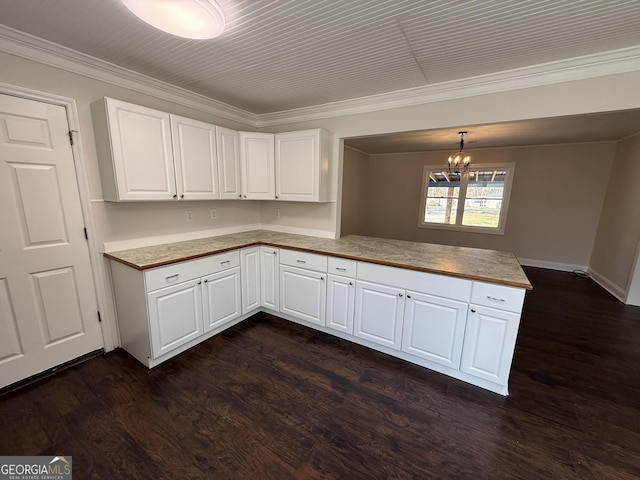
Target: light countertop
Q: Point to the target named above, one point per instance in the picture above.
(463, 262)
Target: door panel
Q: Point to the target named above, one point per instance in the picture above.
(222, 301)
(10, 346)
(378, 313)
(38, 202)
(58, 304)
(175, 316)
(434, 328)
(48, 309)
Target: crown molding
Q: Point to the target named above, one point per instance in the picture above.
(579, 68)
(33, 48)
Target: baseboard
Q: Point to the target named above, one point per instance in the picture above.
(601, 280)
(608, 285)
(563, 267)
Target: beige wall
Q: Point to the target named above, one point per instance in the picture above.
(618, 234)
(355, 192)
(557, 195)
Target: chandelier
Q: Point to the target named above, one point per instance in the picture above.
(459, 162)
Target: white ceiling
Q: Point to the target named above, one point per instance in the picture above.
(278, 55)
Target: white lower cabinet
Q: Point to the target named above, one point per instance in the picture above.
(165, 310)
(341, 298)
(250, 270)
(303, 294)
(269, 278)
(175, 316)
(489, 342)
(303, 285)
(445, 323)
(221, 298)
(379, 311)
(434, 328)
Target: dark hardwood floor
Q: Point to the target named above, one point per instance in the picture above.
(269, 399)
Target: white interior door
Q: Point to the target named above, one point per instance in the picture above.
(48, 308)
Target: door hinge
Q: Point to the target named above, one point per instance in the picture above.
(71, 137)
(86, 235)
(99, 318)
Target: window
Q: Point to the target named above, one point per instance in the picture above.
(476, 201)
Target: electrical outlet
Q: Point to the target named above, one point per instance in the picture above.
(276, 212)
(213, 214)
(189, 215)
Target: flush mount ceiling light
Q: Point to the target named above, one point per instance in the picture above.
(197, 19)
(459, 162)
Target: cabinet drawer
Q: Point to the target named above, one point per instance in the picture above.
(222, 261)
(181, 272)
(311, 261)
(342, 266)
(497, 296)
(430, 283)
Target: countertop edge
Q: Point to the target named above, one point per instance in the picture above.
(480, 278)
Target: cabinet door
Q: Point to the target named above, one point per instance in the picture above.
(303, 294)
(221, 298)
(489, 342)
(141, 151)
(434, 328)
(175, 316)
(298, 166)
(228, 147)
(378, 314)
(257, 166)
(250, 265)
(269, 278)
(341, 296)
(196, 162)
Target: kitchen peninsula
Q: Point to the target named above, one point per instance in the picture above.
(452, 309)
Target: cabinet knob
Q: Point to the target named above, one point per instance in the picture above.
(473, 310)
(206, 281)
(182, 196)
(400, 295)
(175, 195)
(239, 196)
(408, 296)
(200, 283)
(351, 283)
(275, 252)
(276, 197)
(321, 278)
(245, 196)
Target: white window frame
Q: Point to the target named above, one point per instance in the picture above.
(509, 167)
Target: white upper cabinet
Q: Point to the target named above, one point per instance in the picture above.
(148, 155)
(257, 165)
(228, 145)
(302, 165)
(196, 163)
(135, 153)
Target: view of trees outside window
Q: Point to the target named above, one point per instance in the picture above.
(474, 199)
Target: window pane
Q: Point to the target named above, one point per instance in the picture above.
(483, 202)
(443, 192)
(441, 210)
